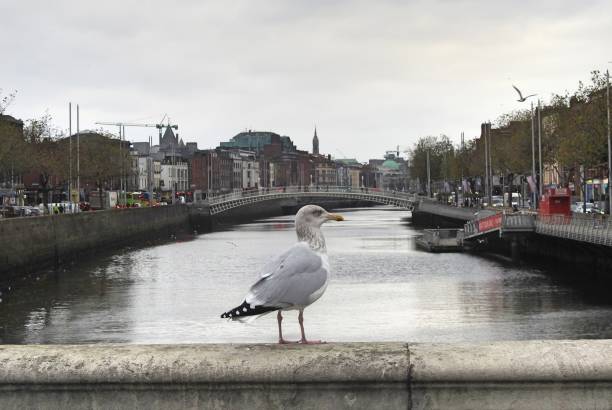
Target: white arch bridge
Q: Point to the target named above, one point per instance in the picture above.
(222, 203)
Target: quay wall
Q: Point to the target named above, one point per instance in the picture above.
(495, 375)
(27, 244)
(564, 257)
(568, 257)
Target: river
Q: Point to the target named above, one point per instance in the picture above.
(382, 289)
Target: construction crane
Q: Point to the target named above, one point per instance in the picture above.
(395, 152)
(122, 126)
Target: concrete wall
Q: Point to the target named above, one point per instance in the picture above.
(34, 242)
(566, 256)
(500, 375)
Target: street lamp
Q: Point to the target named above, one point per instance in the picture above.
(609, 144)
(533, 170)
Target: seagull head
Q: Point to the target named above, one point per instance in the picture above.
(315, 216)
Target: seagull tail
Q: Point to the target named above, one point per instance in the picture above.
(247, 310)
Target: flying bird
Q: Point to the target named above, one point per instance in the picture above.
(296, 278)
(521, 98)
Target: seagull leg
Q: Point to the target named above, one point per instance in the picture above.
(279, 319)
(303, 340)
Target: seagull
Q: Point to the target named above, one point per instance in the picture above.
(521, 98)
(296, 278)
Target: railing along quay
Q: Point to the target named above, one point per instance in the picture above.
(595, 229)
(501, 222)
(226, 202)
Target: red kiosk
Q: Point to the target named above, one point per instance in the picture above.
(556, 201)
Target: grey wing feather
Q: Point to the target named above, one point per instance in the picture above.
(289, 279)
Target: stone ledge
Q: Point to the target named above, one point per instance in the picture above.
(212, 363)
(357, 363)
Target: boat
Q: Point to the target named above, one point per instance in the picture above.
(441, 240)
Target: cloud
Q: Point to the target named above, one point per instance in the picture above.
(371, 75)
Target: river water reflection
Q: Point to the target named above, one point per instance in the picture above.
(382, 289)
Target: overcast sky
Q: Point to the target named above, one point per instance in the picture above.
(370, 74)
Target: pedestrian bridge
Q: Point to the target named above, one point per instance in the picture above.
(222, 203)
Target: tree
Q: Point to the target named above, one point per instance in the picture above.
(511, 143)
(12, 152)
(577, 135)
(45, 156)
(103, 160)
(442, 160)
(6, 100)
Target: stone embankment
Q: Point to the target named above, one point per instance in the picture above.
(500, 375)
(28, 244)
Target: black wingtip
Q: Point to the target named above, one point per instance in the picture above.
(246, 310)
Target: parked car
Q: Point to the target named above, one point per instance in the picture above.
(579, 208)
(497, 201)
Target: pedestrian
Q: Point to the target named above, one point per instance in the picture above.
(61, 208)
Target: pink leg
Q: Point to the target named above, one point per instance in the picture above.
(279, 319)
(304, 341)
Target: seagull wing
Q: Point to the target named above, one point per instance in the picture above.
(290, 279)
(518, 91)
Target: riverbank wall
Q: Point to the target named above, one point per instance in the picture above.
(496, 375)
(34, 243)
(29, 244)
(563, 257)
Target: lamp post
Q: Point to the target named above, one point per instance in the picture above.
(609, 144)
(533, 170)
(533, 194)
(490, 175)
(541, 176)
(70, 152)
(486, 150)
(428, 177)
(78, 164)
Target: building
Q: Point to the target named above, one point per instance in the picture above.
(280, 162)
(174, 176)
(173, 151)
(324, 171)
(257, 141)
(250, 170)
(349, 173)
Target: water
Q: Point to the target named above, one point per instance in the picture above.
(382, 289)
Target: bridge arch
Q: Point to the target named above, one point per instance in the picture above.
(223, 203)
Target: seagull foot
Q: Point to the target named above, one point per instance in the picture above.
(312, 342)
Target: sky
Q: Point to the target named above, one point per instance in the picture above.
(370, 75)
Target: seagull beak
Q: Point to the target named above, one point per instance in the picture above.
(335, 217)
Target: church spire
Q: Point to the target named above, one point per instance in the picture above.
(315, 143)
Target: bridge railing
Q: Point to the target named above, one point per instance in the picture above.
(580, 227)
(306, 189)
(518, 222)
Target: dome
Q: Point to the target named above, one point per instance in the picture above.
(390, 164)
